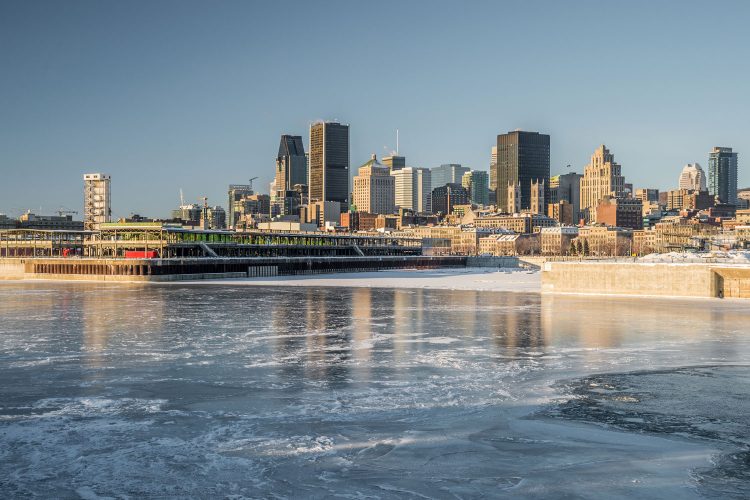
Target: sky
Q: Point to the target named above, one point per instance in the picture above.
(170, 95)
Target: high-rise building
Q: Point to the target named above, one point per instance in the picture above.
(328, 175)
(567, 187)
(722, 174)
(447, 173)
(522, 157)
(692, 178)
(602, 177)
(445, 197)
(236, 193)
(291, 170)
(476, 181)
(394, 162)
(97, 203)
(374, 188)
(413, 188)
(493, 169)
(492, 191)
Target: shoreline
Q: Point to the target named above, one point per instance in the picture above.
(466, 279)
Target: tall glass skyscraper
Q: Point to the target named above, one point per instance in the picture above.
(522, 157)
(722, 174)
(328, 174)
(447, 173)
(291, 171)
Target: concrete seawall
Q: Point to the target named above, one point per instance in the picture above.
(648, 279)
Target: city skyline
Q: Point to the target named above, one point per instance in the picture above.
(161, 102)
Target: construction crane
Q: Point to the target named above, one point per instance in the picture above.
(64, 211)
(251, 183)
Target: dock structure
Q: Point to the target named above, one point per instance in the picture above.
(175, 269)
(157, 252)
(166, 241)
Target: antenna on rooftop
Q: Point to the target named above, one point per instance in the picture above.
(396, 142)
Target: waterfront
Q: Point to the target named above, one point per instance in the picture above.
(219, 390)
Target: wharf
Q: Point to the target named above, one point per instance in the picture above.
(175, 269)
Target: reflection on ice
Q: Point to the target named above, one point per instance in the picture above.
(204, 391)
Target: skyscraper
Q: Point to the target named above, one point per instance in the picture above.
(447, 173)
(492, 198)
(522, 157)
(413, 189)
(602, 177)
(291, 171)
(97, 207)
(374, 190)
(394, 162)
(693, 178)
(567, 187)
(476, 182)
(493, 168)
(328, 176)
(722, 174)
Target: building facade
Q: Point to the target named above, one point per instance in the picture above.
(556, 240)
(567, 187)
(394, 162)
(493, 169)
(620, 212)
(477, 182)
(722, 174)
(537, 197)
(444, 198)
(236, 194)
(448, 173)
(521, 158)
(328, 173)
(374, 188)
(97, 202)
(413, 189)
(692, 178)
(291, 173)
(647, 195)
(562, 212)
(602, 177)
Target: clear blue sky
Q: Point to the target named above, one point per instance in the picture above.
(166, 95)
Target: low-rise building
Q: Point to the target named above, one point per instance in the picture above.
(518, 223)
(679, 233)
(645, 241)
(620, 212)
(358, 221)
(54, 222)
(604, 240)
(509, 244)
(556, 240)
(562, 212)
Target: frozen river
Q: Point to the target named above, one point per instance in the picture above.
(224, 391)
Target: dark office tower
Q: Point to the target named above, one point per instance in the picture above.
(291, 171)
(522, 157)
(291, 163)
(328, 177)
(722, 175)
(395, 162)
